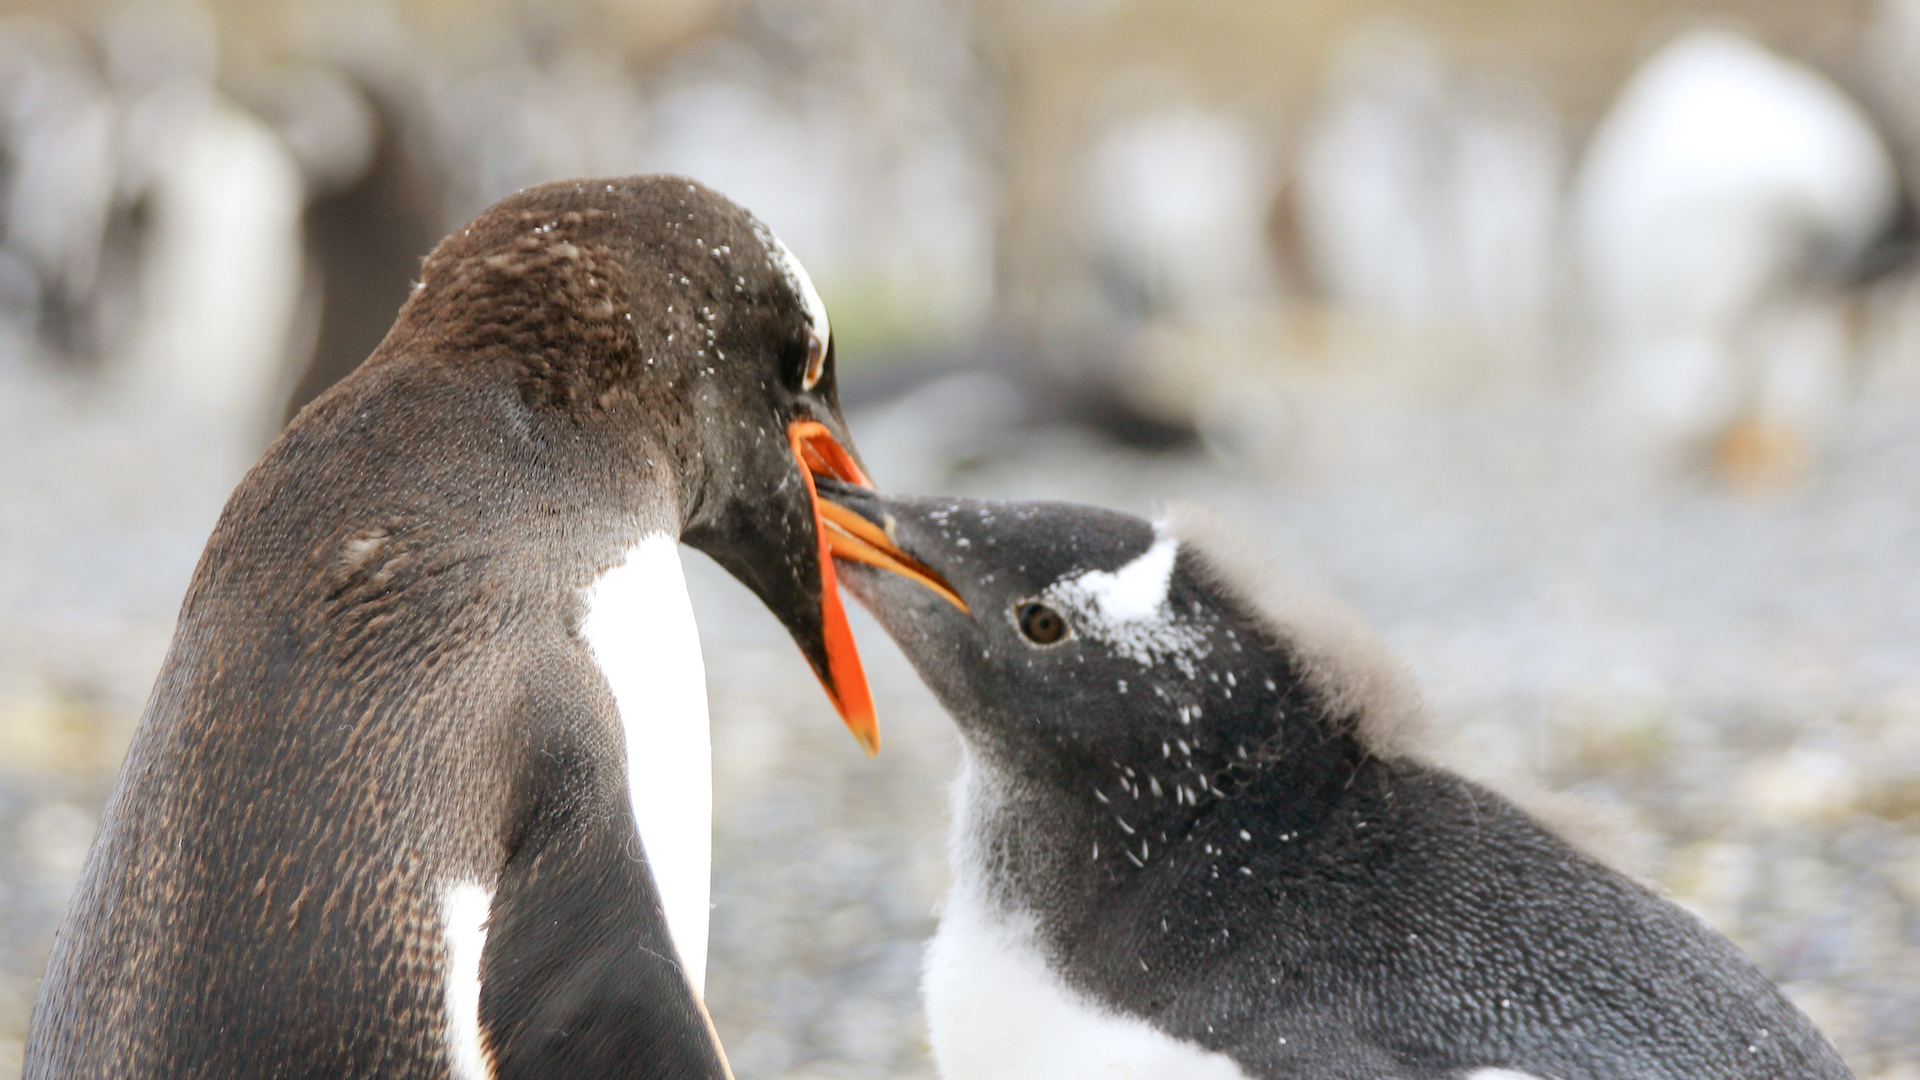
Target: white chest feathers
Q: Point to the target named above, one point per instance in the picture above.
(640, 627)
(996, 1010)
(464, 907)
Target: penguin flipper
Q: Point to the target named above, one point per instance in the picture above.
(580, 975)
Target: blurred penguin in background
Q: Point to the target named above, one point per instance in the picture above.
(221, 262)
(58, 139)
(1174, 204)
(1726, 198)
(1425, 198)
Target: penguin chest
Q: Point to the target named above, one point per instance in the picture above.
(640, 628)
(995, 1009)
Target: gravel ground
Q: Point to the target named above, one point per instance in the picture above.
(1739, 677)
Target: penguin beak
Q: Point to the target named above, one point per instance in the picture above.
(841, 532)
(854, 538)
(845, 681)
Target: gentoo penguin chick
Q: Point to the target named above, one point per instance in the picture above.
(1193, 838)
(423, 787)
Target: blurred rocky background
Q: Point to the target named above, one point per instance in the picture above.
(1577, 342)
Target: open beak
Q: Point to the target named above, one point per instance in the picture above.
(847, 535)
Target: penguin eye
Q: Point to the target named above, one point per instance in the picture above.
(1041, 624)
(816, 362)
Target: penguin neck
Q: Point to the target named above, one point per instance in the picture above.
(1026, 850)
(1062, 851)
(639, 625)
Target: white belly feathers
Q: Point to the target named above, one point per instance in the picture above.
(996, 1011)
(640, 627)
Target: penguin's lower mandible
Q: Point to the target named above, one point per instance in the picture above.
(423, 788)
(1195, 836)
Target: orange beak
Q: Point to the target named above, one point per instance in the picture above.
(847, 535)
(845, 682)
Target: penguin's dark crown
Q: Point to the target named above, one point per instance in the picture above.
(600, 290)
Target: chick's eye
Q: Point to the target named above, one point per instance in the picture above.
(1041, 624)
(816, 362)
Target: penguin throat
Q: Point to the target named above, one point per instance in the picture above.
(1020, 847)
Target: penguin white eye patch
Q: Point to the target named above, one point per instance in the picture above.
(820, 332)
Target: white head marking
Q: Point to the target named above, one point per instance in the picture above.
(1127, 608)
(802, 285)
(1137, 590)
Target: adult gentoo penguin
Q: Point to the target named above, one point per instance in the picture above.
(423, 787)
(1193, 837)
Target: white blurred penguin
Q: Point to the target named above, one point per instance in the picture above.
(1427, 198)
(221, 260)
(1720, 203)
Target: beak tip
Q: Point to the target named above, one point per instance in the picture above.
(865, 727)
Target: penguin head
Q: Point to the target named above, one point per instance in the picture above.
(1101, 650)
(656, 334)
